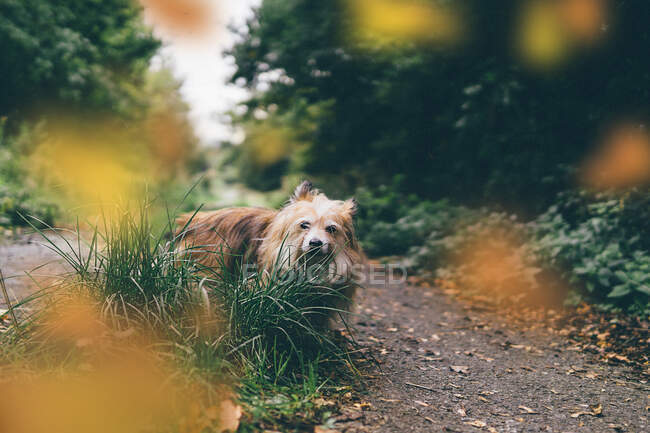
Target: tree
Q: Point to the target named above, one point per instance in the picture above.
(472, 119)
(86, 53)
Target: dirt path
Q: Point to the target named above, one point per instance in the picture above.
(446, 367)
(28, 254)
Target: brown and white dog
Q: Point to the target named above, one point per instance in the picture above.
(309, 229)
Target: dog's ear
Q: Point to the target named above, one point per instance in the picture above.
(302, 191)
(351, 206)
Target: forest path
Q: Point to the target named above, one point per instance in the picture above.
(453, 367)
(26, 259)
(448, 366)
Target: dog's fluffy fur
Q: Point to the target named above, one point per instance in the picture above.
(310, 227)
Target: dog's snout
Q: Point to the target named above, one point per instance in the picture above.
(315, 243)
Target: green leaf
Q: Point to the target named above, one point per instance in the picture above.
(619, 291)
(622, 276)
(642, 288)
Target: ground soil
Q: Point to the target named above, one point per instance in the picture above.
(448, 365)
(28, 263)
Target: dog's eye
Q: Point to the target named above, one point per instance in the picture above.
(331, 229)
(304, 225)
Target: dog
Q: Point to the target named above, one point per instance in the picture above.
(310, 229)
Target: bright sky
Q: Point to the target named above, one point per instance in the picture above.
(200, 64)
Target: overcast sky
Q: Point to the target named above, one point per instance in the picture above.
(201, 66)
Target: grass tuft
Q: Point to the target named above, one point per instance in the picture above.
(266, 332)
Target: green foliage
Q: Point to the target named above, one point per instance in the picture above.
(19, 193)
(279, 318)
(596, 243)
(470, 122)
(600, 244)
(161, 141)
(90, 53)
(389, 223)
(263, 332)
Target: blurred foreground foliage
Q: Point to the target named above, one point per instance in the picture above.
(134, 295)
(77, 162)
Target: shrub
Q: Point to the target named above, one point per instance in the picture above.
(597, 244)
(19, 194)
(600, 245)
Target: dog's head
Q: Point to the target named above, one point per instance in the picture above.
(311, 225)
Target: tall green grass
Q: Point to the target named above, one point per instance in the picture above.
(266, 331)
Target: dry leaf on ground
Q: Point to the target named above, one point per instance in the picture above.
(527, 410)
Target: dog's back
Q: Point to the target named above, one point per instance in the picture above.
(226, 237)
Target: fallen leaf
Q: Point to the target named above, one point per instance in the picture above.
(323, 429)
(484, 358)
(461, 411)
(464, 369)
(349, 415)
(430, 358)
(421, 403)
(594, 410)
(362, 406)
(389, 400)
(476, 423)
(322, 402)
(527, 410)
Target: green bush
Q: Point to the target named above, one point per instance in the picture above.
(19, 194)
(597, 243)
(600, 244)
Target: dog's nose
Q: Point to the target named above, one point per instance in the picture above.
(315, 243)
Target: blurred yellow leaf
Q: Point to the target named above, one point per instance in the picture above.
(180, 18)
(584, 19)
(405, 21)
(541, 37)
(623, 160)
